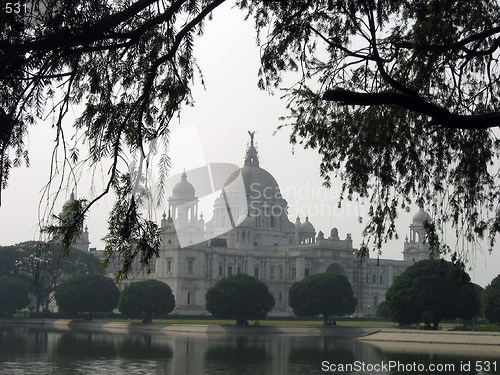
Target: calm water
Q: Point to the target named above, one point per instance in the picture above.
(38, 351)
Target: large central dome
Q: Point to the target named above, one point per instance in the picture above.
(251, 210)
(258, 182)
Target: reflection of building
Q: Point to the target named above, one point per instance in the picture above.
(250, 232)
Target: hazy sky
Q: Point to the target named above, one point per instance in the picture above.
(215, 130)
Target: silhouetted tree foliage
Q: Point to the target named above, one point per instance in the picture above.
(490, 301)
(130, 237)
(430, 291)
(324, 294)
(472, 311)
(142, 299)
(13, 295)
(241, 297)
(87, 293)
(398, 96)
(44, 265)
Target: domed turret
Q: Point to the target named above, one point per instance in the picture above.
(183, 204)
(307, 227)
(183, 189)
(305, 231)
(421, 216)
(71, 198)
(416, 247)
(298, 224)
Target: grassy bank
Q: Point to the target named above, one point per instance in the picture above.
(481, 328)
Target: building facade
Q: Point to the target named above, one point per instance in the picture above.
(250, 232)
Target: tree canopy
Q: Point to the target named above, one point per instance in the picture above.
(142, 299)
(43, 265)
(490, 301)
(87, 293)
(430, 291)
(239, 297)
(324, 294)
(400, 97)
(13, 294)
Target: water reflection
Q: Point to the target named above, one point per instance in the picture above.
(308, 353)
(445, 359)
(245, 355)
(145, 347)
(71, 346)
(18, 340)
(35, 351)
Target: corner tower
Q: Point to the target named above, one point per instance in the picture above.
(416, 247)
(183, 227)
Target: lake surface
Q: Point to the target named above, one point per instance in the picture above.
(31, 350)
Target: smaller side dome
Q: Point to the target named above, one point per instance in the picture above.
(70, 201)
(421, 216)
(298, 224)
(183, 189)
(307, 227)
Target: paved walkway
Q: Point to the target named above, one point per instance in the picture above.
(435, 337)
(129, 327)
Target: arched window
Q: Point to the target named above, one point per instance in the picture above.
(243, 236)
(337, 268)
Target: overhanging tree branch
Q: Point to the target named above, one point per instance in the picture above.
(439, 115)
(460, 44)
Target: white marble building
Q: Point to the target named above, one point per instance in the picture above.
(250, 232)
